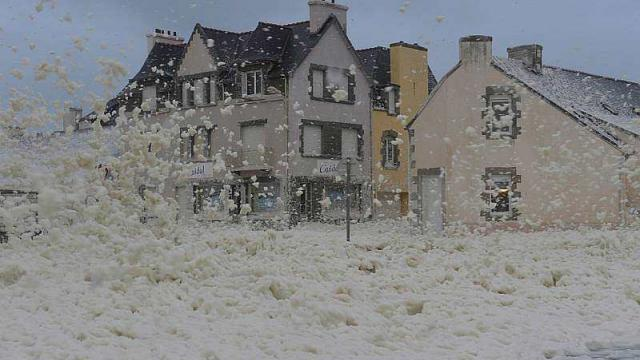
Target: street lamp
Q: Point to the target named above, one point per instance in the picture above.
(348, 195)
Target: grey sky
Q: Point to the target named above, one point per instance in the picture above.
(597, 36)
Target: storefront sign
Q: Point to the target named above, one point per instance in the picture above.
(329, 167)
(202, 170)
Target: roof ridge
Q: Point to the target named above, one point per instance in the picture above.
(296, 23)
(374, 47)
(576, 71)
(591, 74)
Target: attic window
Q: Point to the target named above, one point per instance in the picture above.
(610, 109)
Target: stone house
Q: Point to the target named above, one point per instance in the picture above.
(266, 118)
(514, 143)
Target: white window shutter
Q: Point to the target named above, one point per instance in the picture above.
(149, 96)
(252, 137)
(312, 140)
(350, 143)
(199, 92)
(318, 83)
(212, 90)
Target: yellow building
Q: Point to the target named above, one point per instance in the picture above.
(402, 79)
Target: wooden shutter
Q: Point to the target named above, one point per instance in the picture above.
(352, 86)
(331, 141)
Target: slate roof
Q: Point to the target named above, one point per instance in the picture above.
(377, 63)
(163, 58)
(597, 101)
(287, 44)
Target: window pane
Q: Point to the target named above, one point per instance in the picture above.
(318, 83)
(312, 140)
(250, 83)
(350, 143)
(258, 79)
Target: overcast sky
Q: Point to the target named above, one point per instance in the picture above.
(597, 36)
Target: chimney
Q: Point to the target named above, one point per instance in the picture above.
(476, 49)
(71, 118)
(163, 37)
(530, 55)
(321, 10)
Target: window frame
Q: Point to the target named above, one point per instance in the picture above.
(488, 195)
(327, 95)
(388, 136)
(258, 79)
(333, 125)
(506, 94)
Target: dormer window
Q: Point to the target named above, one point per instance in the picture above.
(636, 110)
(252, 83)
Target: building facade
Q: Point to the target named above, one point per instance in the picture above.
(402, 80)
(264, 120)
(513, 143)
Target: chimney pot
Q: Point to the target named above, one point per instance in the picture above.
(476, 49)
(321, 10)
(530, 55)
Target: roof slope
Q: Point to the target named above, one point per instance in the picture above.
(587, 97)
(161, 62)
(377, 63)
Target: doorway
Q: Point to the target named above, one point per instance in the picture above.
(431, 184)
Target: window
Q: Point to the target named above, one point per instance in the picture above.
(198, 90)
(312, 141)
(390, 150)
(265, 195)
(186, 145)
(500, 194)
(252, 83)
(331, 84)
(188, 96)
(201, 149)
(331, 139)
(350, 143)
(318, 83)
(207, 197)
(501, 114)
(149, 98)
(253, 143)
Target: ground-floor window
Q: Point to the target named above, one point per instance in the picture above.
(500, 194)
(207, 196)
(314, 199)
(265, 192)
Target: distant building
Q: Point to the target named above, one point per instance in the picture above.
(513, 143)
(402, 80)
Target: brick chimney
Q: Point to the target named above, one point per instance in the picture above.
(163, 37)
(476, 49)
(320, 10)
(530, 55)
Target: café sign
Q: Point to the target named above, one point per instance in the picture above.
(329, 167)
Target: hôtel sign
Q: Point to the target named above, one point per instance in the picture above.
(201, 170)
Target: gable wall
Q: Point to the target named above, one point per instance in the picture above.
(568, 174)
(197, 58)
(331, 50)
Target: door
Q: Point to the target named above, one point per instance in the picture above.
(431, 191)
